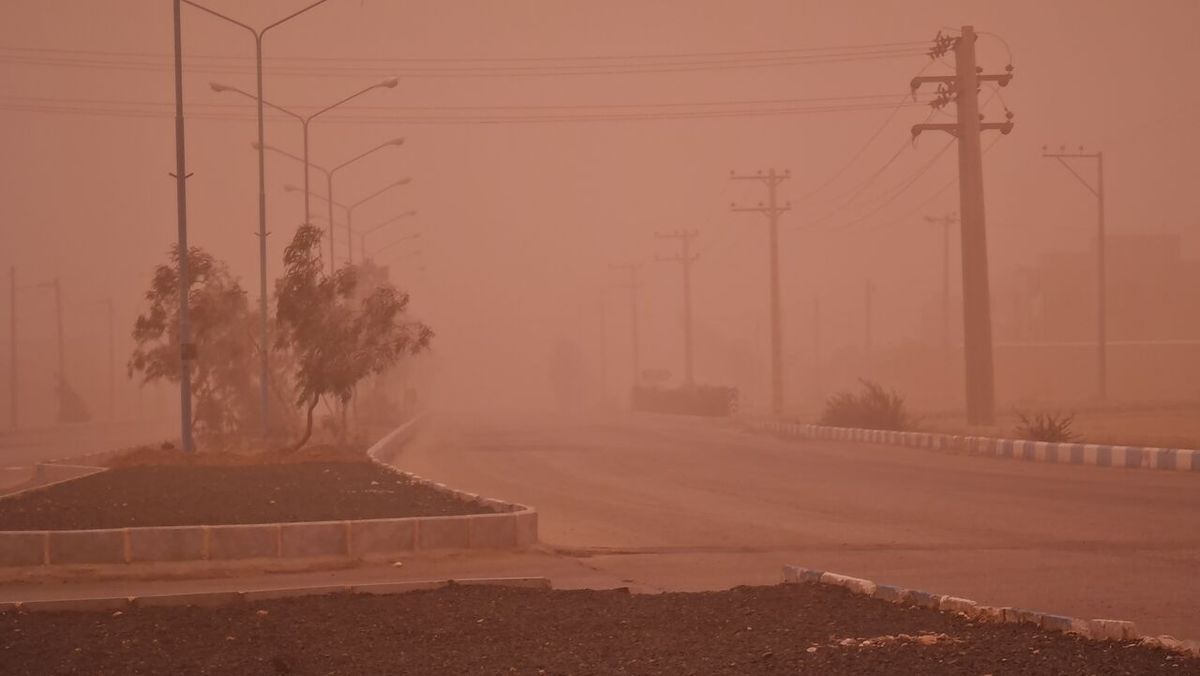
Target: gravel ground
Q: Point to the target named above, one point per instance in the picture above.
(788, 629)
(193, 495)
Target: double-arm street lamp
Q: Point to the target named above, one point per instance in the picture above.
(185, 384)
(362, 236)
(305, 120)
(389, 245)
(349, 208)
(329, 174)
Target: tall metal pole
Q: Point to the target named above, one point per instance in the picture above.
(945, 221)
(112, 363)
(1101, 285)
(685, 257)
(185, 327)
(867, 347)
(62, 361)
(632, 269)
(1101, 258)
(328, 191)
(817, 348)
(12, 345)
(263, 349)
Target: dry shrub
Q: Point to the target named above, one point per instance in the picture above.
(874, 408)
(1053, 427)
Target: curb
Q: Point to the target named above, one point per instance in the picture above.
(225, 598)
(508, 526)
(1096, 630)
(1132, 457)
(46, 474)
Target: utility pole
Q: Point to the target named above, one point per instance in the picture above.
(945, 221)
(12, 345)
(112, 362)
(58, 321)
(1101, 295)
(186, 348)
(685, 257)
(632, 269)
(870, 291)
(963, 89)
(772, 210)
(817, 349)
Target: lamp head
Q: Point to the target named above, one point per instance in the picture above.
(404, 181)
(390, 82)
(218, 87)
(399, 141)
(291, 188)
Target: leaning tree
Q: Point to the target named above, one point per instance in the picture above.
(337, 331)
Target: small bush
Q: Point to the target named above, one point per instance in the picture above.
(874, 408)
(1046, 427)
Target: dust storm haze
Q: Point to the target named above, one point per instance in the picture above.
(548, 142)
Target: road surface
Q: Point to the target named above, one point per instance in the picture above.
(683, 504)
(28, 446)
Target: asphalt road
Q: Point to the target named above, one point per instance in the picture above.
(26, 446)
(682, 504)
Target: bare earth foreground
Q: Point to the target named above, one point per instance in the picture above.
(792, 629)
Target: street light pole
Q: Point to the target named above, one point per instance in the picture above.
(262, 191)
(305, 120)
(186, 352)
(329, 191)
(362, 236)
(329, 177)
(349, 208)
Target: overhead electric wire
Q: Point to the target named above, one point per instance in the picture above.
(485, 59)
(476, 119)
(33, 100)
(457, 74)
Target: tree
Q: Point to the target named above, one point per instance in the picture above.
(223, 384)
(338, 331)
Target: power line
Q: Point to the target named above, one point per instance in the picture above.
(478, 119)
(911, 45)
(865, 98)
(472, 72)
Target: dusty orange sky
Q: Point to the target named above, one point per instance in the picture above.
(520, 221)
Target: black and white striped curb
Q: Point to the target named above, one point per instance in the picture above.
(1099, 630)
(1170, 459)
(224, 598)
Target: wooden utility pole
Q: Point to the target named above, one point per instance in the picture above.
(686, 258)
(963, 89)
(1101, 296)
(772, 210)
(632, 269)
(945, 221)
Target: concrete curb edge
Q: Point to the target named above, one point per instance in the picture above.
(508, 526)
(1099, 630)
